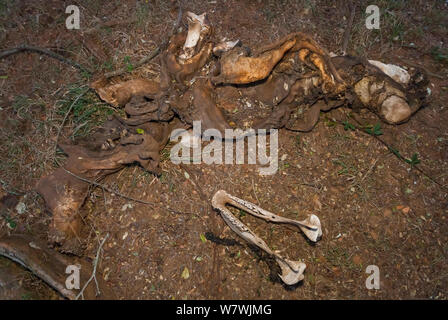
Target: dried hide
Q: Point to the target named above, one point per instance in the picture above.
(238, 68)
(182, 70)
(107, 151)
(119, 94)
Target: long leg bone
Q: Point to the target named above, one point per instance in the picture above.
(310, 227)
(292, 271)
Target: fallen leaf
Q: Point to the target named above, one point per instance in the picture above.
(357, 259)
(185, 273)
(317, 203)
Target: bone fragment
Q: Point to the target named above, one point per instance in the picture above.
(292, 271)
(397, 73)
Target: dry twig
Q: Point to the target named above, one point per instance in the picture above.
(348, 30)
(105, 188)
(93, 276)
(25, 47)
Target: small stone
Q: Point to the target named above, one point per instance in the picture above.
(20, 208)
(126, 206)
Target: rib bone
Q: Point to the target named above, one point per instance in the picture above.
(292, 271)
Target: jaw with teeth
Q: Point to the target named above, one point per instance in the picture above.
(292, 271)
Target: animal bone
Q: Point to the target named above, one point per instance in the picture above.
(181, 69)
(225, 46)
(292, 271)
(197, 30)
(395, 72)
(382, 96)
(310, 227)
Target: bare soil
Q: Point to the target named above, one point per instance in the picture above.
(375, 208)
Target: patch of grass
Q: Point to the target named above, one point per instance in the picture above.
(340, 257)
(413, 161)
(142, 13)
(22, 106)
(440, 54)
(86, 113)
(374, 130)
(348, 126)
(269, 15)
(4, 6)
(347, 169)
(27, 296)
(128, 64)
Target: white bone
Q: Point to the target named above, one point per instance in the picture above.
(196, 27)
(292, 271)
(225, 46)
(311, 226)
(397, 73)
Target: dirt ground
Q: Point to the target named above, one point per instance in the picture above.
(382, 204)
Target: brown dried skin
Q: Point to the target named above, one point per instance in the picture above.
(237, 68)
(310, 53)
(271, 91)
(310, 117)
(140, 105)
(64, 194)
(141, 110)
(119, 94)
(50, 266)
(417, 91)
(205, 108)
(182, 71)
(143, 150)
(302, 92)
